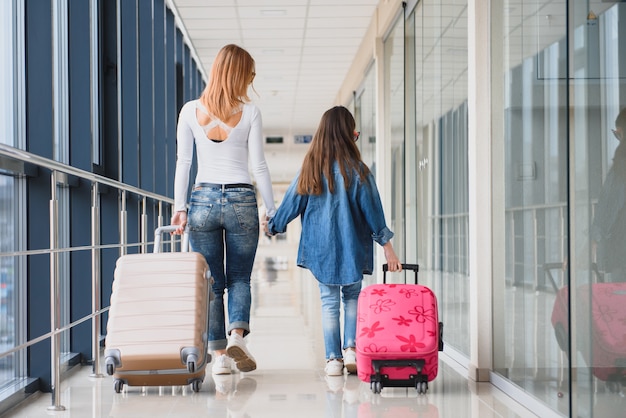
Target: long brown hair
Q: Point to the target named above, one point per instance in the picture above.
(231, 74)
(333, 141)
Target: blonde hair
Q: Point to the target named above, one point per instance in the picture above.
(333, 141)
(231, 74)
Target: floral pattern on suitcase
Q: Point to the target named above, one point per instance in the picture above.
(397, 322)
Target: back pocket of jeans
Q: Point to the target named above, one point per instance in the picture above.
(198, 217)
(247, 215)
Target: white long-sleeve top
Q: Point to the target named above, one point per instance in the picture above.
(222, 162)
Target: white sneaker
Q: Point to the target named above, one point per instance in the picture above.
(349, 360)
(236, 349)
(334, 367)
(223, 365)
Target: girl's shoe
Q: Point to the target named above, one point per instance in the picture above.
(334, 367)
(349, 360)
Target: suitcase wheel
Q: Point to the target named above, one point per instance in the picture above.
(189, 356)
(196, 385)
(376, 386)
(112, 360)
(191, 363)
(118, 385)
(421, 387)
(440, 336)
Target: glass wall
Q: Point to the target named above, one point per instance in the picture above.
(394, 106)
(53, 104)
(6, 73)
(534, 119)
(9, 241)
(597, 290)
(365, 117)
(558, 83)
(437, 146)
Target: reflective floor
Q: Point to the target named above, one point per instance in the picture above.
(289, 382)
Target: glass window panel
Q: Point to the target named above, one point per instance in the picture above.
(365, 118)
(7, 81)
(410, 161)
(441, 157)
(532, 114)
(9, 369)
(8, 282)
(394, 91)
(598, 177)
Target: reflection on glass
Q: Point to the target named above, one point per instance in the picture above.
(597, 280)
(533, 96)
(441, 152)
(366, 120)
(608, 231)
(8, 294)
(561, 307)
(603, 301)
(365, 117)
(6, 73)
(394, 62)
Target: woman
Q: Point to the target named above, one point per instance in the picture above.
(336, 195)
(223, 219)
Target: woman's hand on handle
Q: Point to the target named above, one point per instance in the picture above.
(392, 259)
(179, 218)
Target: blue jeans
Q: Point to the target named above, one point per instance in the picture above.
(224, 227)
(330, 295)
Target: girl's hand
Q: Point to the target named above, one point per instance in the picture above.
(392, 259)
(265, 227)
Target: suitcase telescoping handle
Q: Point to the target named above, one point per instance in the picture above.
(414, 267)
(168, 229)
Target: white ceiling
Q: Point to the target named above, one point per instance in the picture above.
(302, 48)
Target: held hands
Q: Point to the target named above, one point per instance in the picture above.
(392, 259)
(179, 218)
(265, 227)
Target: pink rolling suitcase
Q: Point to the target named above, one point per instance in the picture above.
(399, 335)
(157, 327)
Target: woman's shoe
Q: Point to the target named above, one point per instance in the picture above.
(222, 365)
(236, 349)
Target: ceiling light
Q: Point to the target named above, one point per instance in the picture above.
(273, 12)
(276, 51)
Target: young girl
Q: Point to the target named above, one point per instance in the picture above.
(336, 196)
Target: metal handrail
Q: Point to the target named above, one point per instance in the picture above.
(30, 158)
(9, 156)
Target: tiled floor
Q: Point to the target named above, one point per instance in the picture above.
(289, 381)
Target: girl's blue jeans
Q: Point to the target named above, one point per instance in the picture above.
(332, 296)
(224, 227)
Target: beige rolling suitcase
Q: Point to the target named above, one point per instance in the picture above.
(157, 327)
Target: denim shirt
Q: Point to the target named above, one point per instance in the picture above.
(338, 229)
